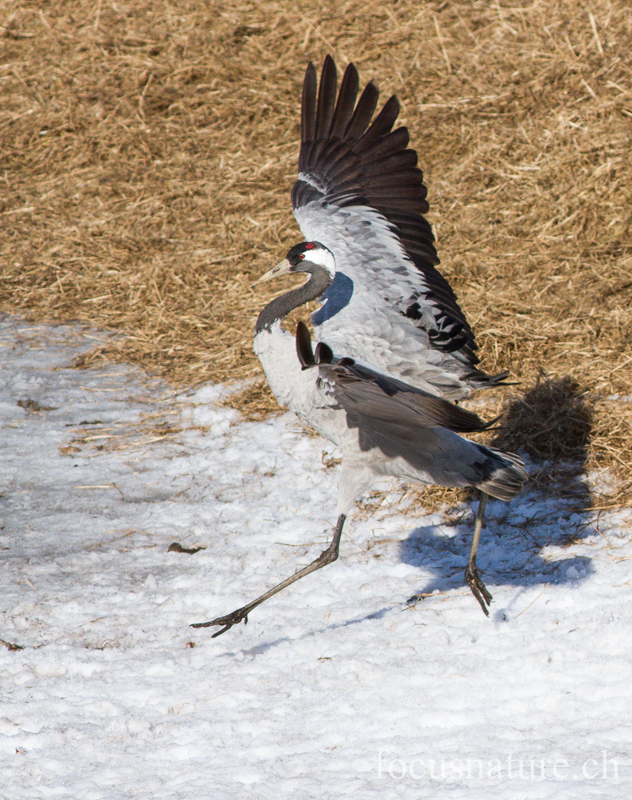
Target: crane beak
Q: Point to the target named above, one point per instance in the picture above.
(282, 268)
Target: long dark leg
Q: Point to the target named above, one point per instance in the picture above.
(472, 572)
(326, 557)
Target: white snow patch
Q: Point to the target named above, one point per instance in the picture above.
(336, 687)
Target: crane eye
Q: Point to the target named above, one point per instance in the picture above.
(302, 256)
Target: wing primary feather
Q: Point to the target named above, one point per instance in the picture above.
(346, 101)
(383, 123)
(363, 112)
(308, 109)
(391, 142)
(403, 159)
(326, 98)
(403, 179)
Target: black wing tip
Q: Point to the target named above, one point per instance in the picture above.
(329, 64)
(460, 420)
(352, 72)
(392, 107)
(304, 346)
(315, 106)
(324, 353)
(486, 381)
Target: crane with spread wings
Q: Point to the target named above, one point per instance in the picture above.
(394, 345)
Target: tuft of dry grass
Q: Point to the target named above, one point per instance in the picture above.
(255, 401)
(148, 151)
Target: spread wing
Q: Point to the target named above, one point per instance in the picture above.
(361, 194)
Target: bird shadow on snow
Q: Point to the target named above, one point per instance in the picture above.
(523, 541)
(511, 549)
(259, 649)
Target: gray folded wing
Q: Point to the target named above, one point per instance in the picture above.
(409, 432)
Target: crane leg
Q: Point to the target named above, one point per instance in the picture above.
(472, 572)
(328, 556)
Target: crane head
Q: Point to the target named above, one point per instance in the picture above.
(303, 257)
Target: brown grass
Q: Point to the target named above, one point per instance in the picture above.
(148, 149)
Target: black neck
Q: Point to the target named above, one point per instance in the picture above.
(319, 280)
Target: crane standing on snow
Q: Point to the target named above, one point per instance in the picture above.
(385, 305)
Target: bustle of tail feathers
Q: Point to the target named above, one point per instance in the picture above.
(508, 478)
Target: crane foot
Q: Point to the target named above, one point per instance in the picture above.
(234, 618)
(477, 587)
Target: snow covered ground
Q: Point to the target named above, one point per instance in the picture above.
(337, 687)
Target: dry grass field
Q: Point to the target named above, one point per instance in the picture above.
(148, 150)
